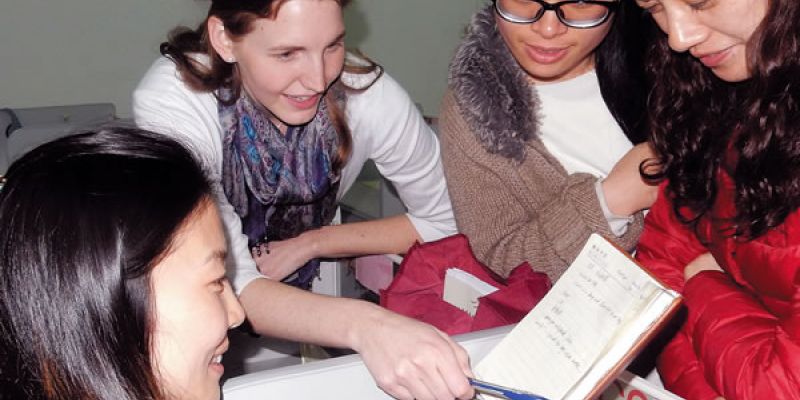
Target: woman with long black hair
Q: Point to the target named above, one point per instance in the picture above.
(112, 273)
(725, 113)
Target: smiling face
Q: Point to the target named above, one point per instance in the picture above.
(550, 51)
(716, 32)
(287, 63)
(194, 308)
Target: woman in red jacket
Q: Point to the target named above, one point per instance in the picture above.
(726, 229)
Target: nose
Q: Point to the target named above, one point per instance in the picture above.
(684, 30)
(233, 308)
(549, 26)
(314, 75)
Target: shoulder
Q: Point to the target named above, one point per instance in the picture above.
(163, 74)
(454, 131)
(449, 106)
(383, 103)
(376, 86)
(163, 103)
(360, 72)
(383, 117)
(163, 91)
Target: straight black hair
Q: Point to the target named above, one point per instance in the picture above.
(621, 72)
(83, 220)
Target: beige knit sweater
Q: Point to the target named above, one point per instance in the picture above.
(514, 211)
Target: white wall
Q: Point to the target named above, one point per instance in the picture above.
(413, 39)
(77, 51)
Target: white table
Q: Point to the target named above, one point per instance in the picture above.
(338, 378)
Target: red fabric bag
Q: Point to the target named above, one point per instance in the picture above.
(417, 289)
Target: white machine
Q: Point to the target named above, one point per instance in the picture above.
(22, 129)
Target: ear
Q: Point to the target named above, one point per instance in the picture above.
(219, 39)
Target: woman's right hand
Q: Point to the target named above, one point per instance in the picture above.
(411, 360)
(625, 191)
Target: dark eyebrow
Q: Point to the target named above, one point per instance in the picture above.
(220, 255)
(214, 259)
(289, 49)
(338, 39)
(286, 49)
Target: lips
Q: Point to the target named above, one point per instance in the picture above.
(221, 349)
(714, 59)
(216, 359)
(302, 102)
(546, 55)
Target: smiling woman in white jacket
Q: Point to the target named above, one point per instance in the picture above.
(385, 127)
(256, 74)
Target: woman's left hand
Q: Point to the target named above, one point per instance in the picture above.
(704, 262)
(279, 259)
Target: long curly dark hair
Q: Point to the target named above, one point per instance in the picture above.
(701, 123)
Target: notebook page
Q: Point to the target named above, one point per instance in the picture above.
(554, 346)
(639, 323)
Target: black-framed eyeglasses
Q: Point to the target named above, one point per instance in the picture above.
(573, 13)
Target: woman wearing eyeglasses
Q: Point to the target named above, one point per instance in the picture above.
(541, 131)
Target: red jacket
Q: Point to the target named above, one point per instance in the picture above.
(741, 339)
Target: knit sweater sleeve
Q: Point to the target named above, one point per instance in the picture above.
(505, 227)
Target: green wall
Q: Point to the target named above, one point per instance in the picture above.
(413, 39)
(78, 51)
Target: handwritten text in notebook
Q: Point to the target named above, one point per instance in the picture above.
(598, 309)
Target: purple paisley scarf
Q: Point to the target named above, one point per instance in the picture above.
(279, 184)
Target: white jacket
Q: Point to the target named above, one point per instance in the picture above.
(385, 125)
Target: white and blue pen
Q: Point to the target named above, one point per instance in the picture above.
(502, 392)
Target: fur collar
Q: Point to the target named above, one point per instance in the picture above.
(492, 91)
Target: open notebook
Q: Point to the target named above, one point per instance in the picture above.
(599, 314)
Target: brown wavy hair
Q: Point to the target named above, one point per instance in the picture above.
(183, 44)
(696, 122)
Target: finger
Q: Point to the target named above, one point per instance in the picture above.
(420, 389)
(385, 375)
(454, 377)
(456, 369)
(418, 375)
(447, 381)
(460, 354)
(436, 383)
(396, 390)
(437, 369)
